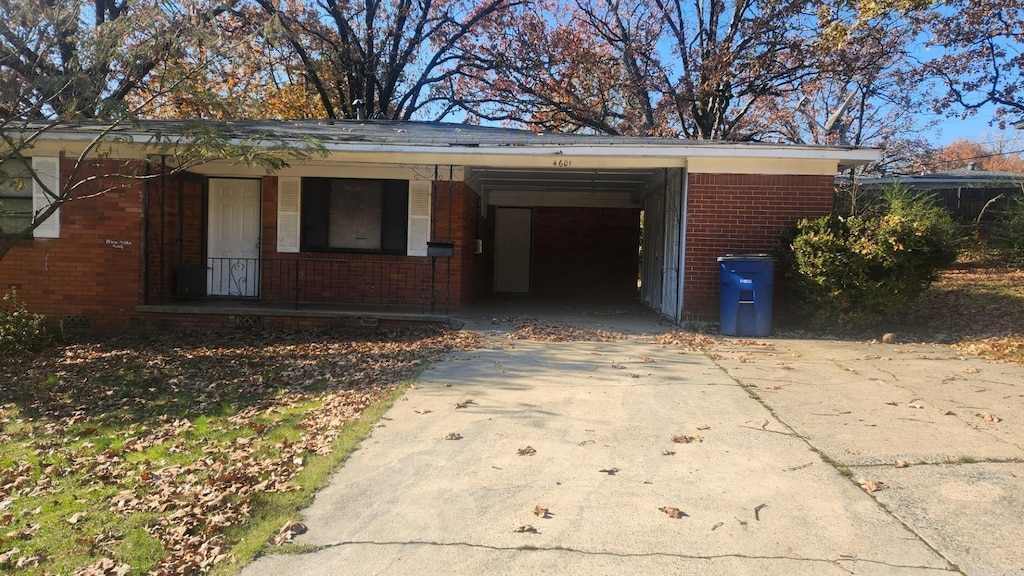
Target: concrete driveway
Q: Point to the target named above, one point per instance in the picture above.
(779, 433)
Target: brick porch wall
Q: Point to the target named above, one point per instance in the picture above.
(741, 213)
(94, 269)
(377, 278)
(165, 226)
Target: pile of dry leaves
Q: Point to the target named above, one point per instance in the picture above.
(686, 339)
(189, 430)
(547, 331)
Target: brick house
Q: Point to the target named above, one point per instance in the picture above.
(404, 220)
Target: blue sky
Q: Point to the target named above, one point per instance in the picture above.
(975, 128)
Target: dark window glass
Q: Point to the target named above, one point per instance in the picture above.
(357, 215)
(15, 196)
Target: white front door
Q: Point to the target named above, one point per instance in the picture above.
(513, 229)
(233, 238)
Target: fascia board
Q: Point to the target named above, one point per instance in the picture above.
(639, 155)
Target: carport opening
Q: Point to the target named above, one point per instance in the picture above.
(563, 236)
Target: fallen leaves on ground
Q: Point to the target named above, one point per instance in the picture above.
(177, 427)
(453, 436)
(901, 464)
(672, 512)
(988, 417)
(540, 511)
(547, 331)
(288, 532)
(525, 529)
(686, 339)
(105, 567)
(609, 471)
(871, 486)
(1009, 348)
(528, 451)
(464, 403)
(684, 439)
(975, 304)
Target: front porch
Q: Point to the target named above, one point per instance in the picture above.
(213, 247)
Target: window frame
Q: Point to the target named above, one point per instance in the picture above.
(24, 196)
(315, 203)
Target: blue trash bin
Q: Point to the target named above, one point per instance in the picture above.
(745, 296)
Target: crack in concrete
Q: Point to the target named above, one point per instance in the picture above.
(896, 384)
(938, 463)
(836, 562)
(894, 377)
(825, 458)
(759, 429)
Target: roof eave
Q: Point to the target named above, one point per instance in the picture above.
(845, 157)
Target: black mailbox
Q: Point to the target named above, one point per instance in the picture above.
(440, 249)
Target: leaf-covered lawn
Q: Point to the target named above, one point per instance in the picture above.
(161, 455)
(978, 305)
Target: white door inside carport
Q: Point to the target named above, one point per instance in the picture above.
(513, 234)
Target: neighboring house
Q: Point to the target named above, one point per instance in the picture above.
(964, 192)
(413, 217)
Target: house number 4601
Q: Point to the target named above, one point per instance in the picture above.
(560, 163)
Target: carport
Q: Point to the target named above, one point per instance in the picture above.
(575, 233)
(581, 234)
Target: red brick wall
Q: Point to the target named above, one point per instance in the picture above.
(741, 213)
(94, 269)
(588, 253)
(378, 278)
(473, 228)
(157, 322)
(167, 197)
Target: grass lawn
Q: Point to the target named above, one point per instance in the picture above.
(183, 454)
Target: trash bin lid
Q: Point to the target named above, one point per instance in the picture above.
(745, 257)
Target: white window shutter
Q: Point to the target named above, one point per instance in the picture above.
(289, 201)
(48, 171)
(419, 217)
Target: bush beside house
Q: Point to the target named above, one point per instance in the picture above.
(854, 271)
(1008, 233)
(20, 330)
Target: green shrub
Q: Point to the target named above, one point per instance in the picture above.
(855, 271)
(1008, 232)
(20, 330)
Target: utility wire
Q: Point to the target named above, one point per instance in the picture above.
(980, 157)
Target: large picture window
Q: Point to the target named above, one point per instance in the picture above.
(15, 196)
(356, 215)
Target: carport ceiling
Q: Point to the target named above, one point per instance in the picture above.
(635, 182)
